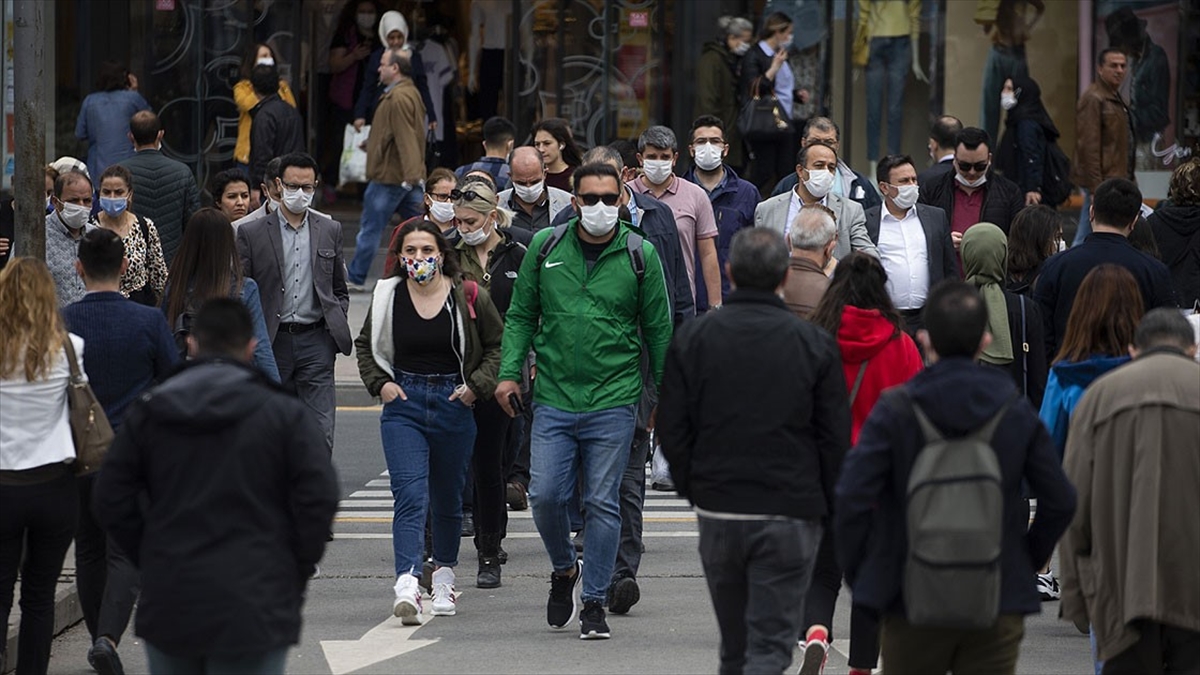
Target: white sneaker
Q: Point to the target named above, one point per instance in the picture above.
(443, 592)
(1047, 587)
(408, 600)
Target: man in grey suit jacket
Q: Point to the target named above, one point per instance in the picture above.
(913, 239)
(295, 255)
(815, 165)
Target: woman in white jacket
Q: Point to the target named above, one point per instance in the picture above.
(39, 501)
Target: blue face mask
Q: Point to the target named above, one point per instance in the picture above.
(113, 206)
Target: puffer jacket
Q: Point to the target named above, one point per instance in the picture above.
(165, 192)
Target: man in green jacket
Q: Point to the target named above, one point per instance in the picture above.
(585, 307)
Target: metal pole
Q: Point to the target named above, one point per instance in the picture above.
(29, 134)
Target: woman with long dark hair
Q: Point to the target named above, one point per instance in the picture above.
(490, 257)
(876, 354)
(766, 72)
(207, 266)
(553, 138)
(430, 349)
(261, 54)
(104, 117)
(39, 499)
(146, 276)
(1028, 133)
(1034, 236)
(353, 41)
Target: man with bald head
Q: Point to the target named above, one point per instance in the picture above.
(166, 189)
(533, 203)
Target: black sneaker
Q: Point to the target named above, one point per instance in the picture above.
(623, 595)
(592, 625)
(102, 657)
(563, 605)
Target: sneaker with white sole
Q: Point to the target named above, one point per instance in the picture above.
(443, 592)
(1047, 587)
(592, 624)
(563, 605)
(408, 600)
(816, 653)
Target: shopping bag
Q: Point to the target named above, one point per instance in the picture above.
(660, 470)
(353, 167)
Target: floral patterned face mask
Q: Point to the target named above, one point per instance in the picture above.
(421, 270)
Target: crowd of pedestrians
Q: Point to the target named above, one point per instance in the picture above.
(853, 378)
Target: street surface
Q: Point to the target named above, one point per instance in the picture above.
(504, 630)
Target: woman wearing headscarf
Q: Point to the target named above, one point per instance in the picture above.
(393, 34)
(1028, 132)
(1014, 321)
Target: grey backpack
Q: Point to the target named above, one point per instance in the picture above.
(954, 518)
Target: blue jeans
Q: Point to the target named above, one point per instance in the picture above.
(427, 442)
(1085, 222)
(380, 201)
(562, 445)
(271, 662)
(1002, 63)
(891, 59)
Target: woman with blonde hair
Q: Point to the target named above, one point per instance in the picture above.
(490, 257)
(39, 500)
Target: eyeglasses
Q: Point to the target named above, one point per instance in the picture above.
(465, 195)
(608, 199)
(307, 189)
(444, 197)
(708, 141)
(977, 167)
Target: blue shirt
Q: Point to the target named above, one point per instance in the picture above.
(299, 298)
(104, 123)
(785, 80)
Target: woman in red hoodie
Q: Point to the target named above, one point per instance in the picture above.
(876, 354)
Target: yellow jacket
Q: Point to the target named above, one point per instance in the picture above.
(885, 18)
(245, 98)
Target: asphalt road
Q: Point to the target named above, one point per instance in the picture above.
(672, 630)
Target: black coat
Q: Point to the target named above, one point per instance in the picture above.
(958, 397)
(239, 495)
(932, 173)
(1062, 274)
(276, 130)
(1002, 199)
(1177, 231)
(753, 414)
(1029, 369)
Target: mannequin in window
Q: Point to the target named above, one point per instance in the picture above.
(488, 42)
(1008, 26)
(886, 45)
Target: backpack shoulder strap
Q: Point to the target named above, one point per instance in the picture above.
(1024, 349)
(471, 290)
(931, 433)
(145, 231)
(548, 245)
(862, 370)
(637, 257)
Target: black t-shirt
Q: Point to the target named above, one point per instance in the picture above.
(422, 346)
(591, 252)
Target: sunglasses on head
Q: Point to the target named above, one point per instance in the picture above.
(977, 167)
(464, 195)
(608, 199)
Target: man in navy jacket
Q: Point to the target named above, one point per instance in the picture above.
(959, 396)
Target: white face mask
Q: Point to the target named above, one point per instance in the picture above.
(268, 61)
(296, 201)
(477, 237)
(530, 193)
(786, 42)
(657, 170)
(741, 48)
(441, 212)
(272, 205)
(907, 196)
(366, 21)
(708, 156)
(598, 219)
(819, 182)
(970, 183)
(1008, 101)
(74, 216)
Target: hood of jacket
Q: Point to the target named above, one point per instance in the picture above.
(1083, 373)
(1177, 230)
(207, 392)
(863, 333)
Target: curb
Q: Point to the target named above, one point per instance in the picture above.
(67, 613)
(349, 394)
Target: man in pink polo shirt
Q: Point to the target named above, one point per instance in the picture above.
(657, 151)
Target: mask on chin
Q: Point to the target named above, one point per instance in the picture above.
(970, 183)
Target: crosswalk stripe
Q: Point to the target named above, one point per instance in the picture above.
(649, 516)
(683, 534)
(369, 497)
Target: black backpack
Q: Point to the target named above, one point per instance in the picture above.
(1056, 176)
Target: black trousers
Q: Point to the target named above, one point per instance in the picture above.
(758, 572)
(516, 451)
(108, 581)
(1161, 650)
(822, 599)
(491, 504)
(39, 521)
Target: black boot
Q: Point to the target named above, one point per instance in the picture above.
(489, 561)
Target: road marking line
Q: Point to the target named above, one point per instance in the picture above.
(359, 408)
(648, 516)
(680, 534)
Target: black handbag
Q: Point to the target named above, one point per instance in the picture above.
(762, 118)
(433, 151)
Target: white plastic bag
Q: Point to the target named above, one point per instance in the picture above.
(353, 167)
(660, 470)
